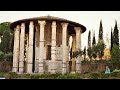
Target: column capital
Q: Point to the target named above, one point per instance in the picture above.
(18, 27)
(54, 24)
(22, 25)
(31, 24)
(77, 29)
(64, 24)
(42, 22)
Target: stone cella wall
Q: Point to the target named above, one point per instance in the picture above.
(48, 64)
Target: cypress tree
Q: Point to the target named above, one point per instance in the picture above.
(115, 35)
(111, 39)
(94, 41)
(100, 37)
(89, 39)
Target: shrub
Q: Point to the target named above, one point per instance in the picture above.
(116, 70)
(95, 75)
(8, 56)
(26, 76)
(1, 55)
(114, 74)
(6, 76)
(2, 74)
(35, 76)
(69, 76)
(105, 76)
(118, 75)
(13, 75)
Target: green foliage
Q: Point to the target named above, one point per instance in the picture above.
(111, 40)
(94, 41)
(6, 35)
(2, 74)
(115, 35)
(100, 37)
(77, 53)
(25, 76)
(8, 56)
(35, 76)
(6, 76)
(89, 50)
(5, 42)
(100, 48)
(115, 57)
(1, 55)
(10, 75)
(69, 76)
(89, 39)
(84, 52)
(13, 75)
(94, 51)
(116, 70)
(95, 75)
(105, 76)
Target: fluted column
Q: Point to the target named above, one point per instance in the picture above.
(73, 50)
(53, 47)
(64, 44)
(16, 49)
(41, 46)
(78, 47)
(22, 44)
(30, 48)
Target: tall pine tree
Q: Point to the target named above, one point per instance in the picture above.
(111, 39)
(100, 37)
(89, 39)
(116, 35)
(94, 41)
(84, 52)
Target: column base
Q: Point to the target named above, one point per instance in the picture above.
(78, 65)
(29, 69)
(15, 69)
(64, 68)
(52, 67)
(73, 72)
(41, 70)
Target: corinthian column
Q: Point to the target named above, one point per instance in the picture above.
(53, 47)
(30, 48)
(78, 47)
(64, 44)
(16, 49)
(22, 42)
(41, 46)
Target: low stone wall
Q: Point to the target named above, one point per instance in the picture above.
(93, 67)
(88, 67)
(5, 66)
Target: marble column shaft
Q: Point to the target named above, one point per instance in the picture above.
(64, 44)
(22, 44)
(41, 47)
(78, 47)
(30, 48)
(53, 47)
(16, 49)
